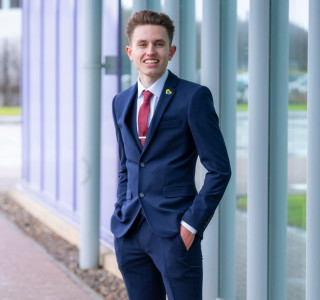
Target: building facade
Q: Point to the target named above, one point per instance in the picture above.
(246, 253)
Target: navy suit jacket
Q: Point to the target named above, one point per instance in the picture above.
(159, 178)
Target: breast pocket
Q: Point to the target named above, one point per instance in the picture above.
(170, 123)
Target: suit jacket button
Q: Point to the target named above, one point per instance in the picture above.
(141, 195)
(142, 165)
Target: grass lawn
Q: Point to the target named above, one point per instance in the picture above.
(242, 107)
(296, 209)
(298, 106)
(10, 111)
(292, 107)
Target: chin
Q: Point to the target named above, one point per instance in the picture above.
(152, 74)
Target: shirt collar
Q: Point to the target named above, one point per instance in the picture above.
(156, 88)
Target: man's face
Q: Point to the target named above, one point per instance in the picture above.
(150, 51)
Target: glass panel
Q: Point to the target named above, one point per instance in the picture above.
(297, 149)
(242, 149)
(10, 59)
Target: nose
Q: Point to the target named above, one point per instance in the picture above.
(150, 49)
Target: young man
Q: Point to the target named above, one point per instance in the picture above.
(162, 124)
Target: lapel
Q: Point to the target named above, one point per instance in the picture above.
(165, 98)
(129, 116)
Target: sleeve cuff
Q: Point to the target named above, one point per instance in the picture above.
(187, 226)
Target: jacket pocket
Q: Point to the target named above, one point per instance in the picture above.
(170, 123)
(179, 191)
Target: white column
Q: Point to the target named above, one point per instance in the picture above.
(188, 40)
(172, 9)
(210, 77)
(267, 178)
(155, 5)
(218, 72)
(137, 6)
(313, 187)
(278, 149)
(228, 106)
(257, 213)
(89, 133)
(257, 224)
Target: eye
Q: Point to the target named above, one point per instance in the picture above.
(159, 44)
(142, 45)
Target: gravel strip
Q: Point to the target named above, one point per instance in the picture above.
(100, 280)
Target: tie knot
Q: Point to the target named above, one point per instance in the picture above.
(147, 96)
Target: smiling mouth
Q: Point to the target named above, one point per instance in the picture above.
(151, 61)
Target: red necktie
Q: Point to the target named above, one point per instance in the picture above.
(143, 116)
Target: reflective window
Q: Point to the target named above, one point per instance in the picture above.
(297, 149)
(242, 149)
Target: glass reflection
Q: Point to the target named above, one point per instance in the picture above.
(297, 149)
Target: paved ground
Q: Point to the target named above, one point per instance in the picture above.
(26, 271)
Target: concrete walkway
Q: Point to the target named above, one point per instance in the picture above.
(28, 272)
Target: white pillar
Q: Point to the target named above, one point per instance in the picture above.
(267, 180)
(218, 72)
(257, 213)
(210, 77)
(313, 187)
(155, 5)
(228, 107)
(89, 133)
(137, 6)
(278, 150)
(188, 40)
(172, 9)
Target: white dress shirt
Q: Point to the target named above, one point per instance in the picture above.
(156, 90)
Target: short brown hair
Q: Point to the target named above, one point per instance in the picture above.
(145, 17)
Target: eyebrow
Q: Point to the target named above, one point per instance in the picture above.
(159, 40)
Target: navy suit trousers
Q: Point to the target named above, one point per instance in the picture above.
(153, 266)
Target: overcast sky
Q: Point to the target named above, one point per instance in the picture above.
(10, 23)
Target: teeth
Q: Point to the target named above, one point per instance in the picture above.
(151, 61)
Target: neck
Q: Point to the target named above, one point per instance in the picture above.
(148, 81)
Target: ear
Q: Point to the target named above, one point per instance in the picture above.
(172, 51)
(129, 52)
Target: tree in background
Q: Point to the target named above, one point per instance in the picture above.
(9, 72)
